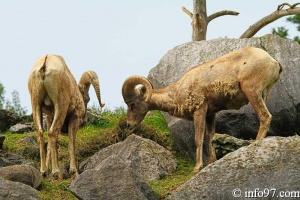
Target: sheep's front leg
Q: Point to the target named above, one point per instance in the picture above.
(199, 123)
(255, 97)
(73, 128)
(208, 137)
(38, 119)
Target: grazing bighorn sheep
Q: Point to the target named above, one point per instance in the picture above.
(228, 82)
(54, 91)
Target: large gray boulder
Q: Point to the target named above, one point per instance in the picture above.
(10, 190)
(22, 173)
(225, 144)
(120, 171)
(271, 164)
(146, 157)
(7, 159)
(21, 128)
(113, 178)
(8, 119)
(284, 98)
(31, 149)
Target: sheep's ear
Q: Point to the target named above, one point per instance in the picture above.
(143, 92)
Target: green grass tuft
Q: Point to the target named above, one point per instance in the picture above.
(167, 184)
(110, 128)
(56, 190)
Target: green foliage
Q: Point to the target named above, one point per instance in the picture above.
(297, 39)
(295, 19)
(112, 117)
(56, 190)
(283, 32)
(12, 142)
(15, 105)
(145, 130)
(280, 31)
(167, 184)
(156, 119)
(2, 92)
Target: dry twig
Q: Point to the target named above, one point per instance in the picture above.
(287, 4)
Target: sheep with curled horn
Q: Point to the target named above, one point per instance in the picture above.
(228, 82)
(88, 78)
(54, 92)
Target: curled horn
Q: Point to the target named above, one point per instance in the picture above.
(88, 78)
(128, 89)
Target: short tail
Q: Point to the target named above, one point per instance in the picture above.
(280, 71)
(281, 68)
(43, 69)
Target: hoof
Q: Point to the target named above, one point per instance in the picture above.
(44, 173)
(197, 169)
(73, 172)
(212, 160)
(56, 175)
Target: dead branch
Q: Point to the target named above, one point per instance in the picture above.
(187, 12)
(221, 13)
(252, 30)
(287, 4)
(198, 24)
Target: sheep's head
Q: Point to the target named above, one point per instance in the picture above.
(88, 78)
(137, 99)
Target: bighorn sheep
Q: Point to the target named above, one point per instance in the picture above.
(54, 91)
(228, 82)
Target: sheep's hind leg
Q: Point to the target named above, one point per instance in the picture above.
(199, 123)
(255, 98)
(37, 115)
(48, 156)
(73, 128)
(209, 150)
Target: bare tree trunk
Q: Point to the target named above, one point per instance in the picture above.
(200, 19)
